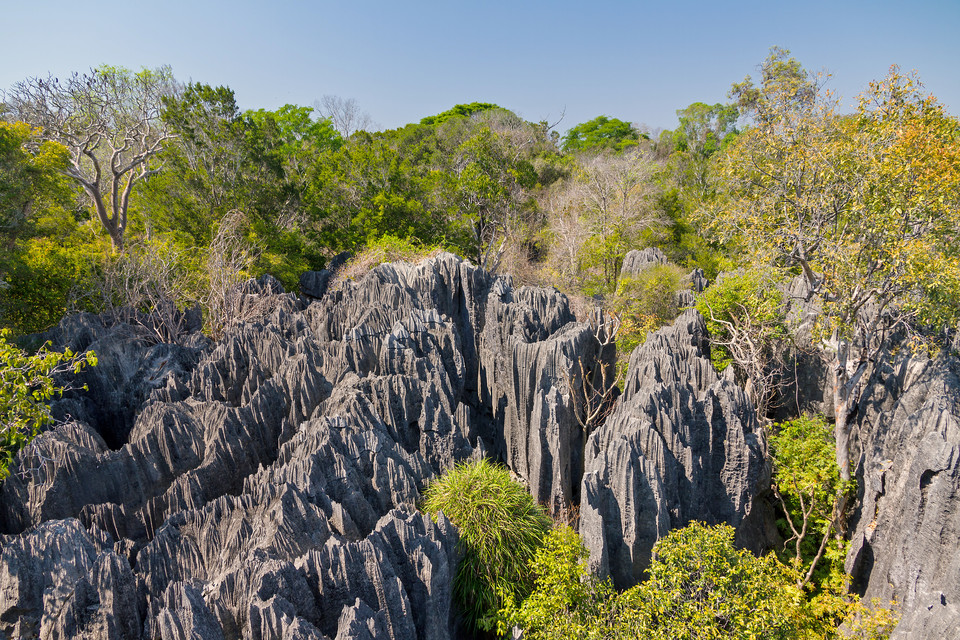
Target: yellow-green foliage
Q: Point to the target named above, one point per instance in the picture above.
(567, 601)
(700, 587)
(645, 302)
(384, 249)
(26, 386)
(43, 275)
(807, 482)
(501, 528)
(744, 306)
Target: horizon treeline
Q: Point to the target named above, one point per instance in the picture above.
(120, 188)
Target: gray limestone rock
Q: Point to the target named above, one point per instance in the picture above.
(681, 444)
(637, 260)
(59, 581)
(261, 486)
(906, 530)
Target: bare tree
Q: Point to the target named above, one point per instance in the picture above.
(345, 115)
(229, 260)
(595, 387)
(147, 286)
(110, 121)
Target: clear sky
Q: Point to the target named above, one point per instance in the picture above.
(638, 61)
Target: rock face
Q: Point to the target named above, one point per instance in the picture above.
(905, 535)
(261, 487)
(637, 260)
(681, 444)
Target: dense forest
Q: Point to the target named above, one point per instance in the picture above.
(135, 196)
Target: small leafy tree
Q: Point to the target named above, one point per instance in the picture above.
(807, 483)
(746, 317)
(501, 529)
(645, 302)
(701, 586)
(27, 384)
(567, 601)
(27, 177)
(602, 133)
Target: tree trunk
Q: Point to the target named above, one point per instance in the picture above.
(841, 409)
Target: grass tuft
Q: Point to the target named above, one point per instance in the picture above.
(501, 528)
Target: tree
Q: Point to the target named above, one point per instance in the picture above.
(567, 601)
(865, 206)
(601, 133)
(204, 169)
(110, 121)
(745, 314)
(808, 486)
(701, 586)
(704, 129)
(612, 193)
(459, 111)
(345, 115)
(27, 177)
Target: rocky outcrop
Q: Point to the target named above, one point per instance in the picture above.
(261, 486)
(905, 533)
(681, 444)
(638, 260)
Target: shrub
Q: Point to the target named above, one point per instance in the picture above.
(26, 386)
(701, 586)
(384, 249)
(645, 302)
(501, 529)
(567, 601)
(812, 496)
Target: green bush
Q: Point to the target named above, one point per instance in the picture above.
(700, 586)
(747, 302)
(26, 386)
(567, 601)
(745, 314)
(645, 302)
(501, 529)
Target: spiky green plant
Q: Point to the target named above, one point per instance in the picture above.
(501, 528)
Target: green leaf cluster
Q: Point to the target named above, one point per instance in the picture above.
(27, 384)
(807, 482)
(567, 601)
(644, 302)
(601, 133)
(743, 305)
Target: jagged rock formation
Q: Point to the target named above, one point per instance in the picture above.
(260, 487)
(637, 260)
(681, 444)
(263, 486)
(905, 533)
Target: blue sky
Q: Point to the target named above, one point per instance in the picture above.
(401, 61)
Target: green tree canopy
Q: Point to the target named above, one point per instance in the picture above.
(866, 207)
(109, 119)
(459, 111)
(601, 133)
